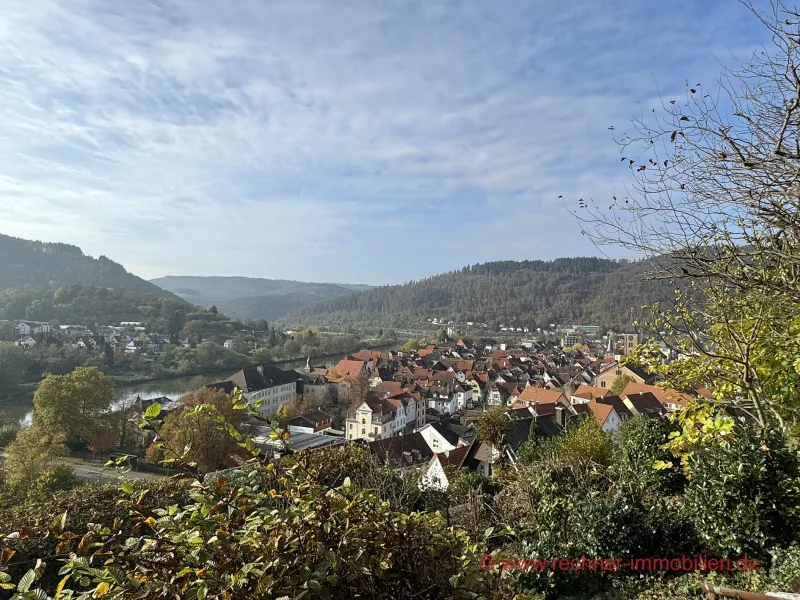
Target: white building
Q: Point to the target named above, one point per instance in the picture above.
(274, 386)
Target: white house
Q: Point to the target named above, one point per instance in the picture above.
(228, 344)
(439, 437)
(275, 386)
(28, 342)
(23, 329)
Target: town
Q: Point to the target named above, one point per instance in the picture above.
(417, 407)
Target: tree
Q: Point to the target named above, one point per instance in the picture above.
(101, 441)
(713, 207)
(587, 443)
(443, 337)
(210, 446)
(31, 467)
(175, 324)
(72, 407)
(12, 365)
(9, 428)
(492, 427)
(620, 383)
(108, 351)
(7, 332)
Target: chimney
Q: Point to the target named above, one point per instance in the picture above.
(260, 370)
(536, 407)
(560, 416)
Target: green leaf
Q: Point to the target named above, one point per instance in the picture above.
(26, 581)
(127, 487)
(152, 411)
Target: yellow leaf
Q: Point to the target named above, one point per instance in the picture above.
(60, 586)
(102, 590)
(150, 521)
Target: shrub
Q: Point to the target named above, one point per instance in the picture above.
(744, 498)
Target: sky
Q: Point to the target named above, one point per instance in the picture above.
(369, 141)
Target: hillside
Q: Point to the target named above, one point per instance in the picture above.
(208, 290)
(84, 305)
(34, 265)
(254, 298)
(527, 293)
(269, 307)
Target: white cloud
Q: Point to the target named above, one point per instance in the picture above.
(178, 136)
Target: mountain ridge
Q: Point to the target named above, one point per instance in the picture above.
(585, 290)
(35, 265)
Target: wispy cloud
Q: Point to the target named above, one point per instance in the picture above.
(356, 140)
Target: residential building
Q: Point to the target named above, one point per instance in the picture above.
(405, 451)
(609, 373)
(313, 422)
(370, 419)
(274, 386)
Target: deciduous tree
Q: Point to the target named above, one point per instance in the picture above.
(210, 446)
(72, 406)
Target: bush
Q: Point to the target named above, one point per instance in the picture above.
(745, 498)
(294, 538)
(640, 446)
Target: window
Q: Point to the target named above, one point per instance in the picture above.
(363, 421)
(351, 425)
(619, 372)
(602, 384)
(363, 432)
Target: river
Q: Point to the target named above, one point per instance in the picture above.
(171, 388)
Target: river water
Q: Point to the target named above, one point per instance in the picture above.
(171, 388)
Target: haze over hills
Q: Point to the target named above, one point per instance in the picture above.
(527, 293)
(34, 265)
(254, 298)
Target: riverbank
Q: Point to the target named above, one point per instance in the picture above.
(22, 394)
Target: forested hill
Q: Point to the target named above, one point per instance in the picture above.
(214, 290)
(26, 264)
(525, 293)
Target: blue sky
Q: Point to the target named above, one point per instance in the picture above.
(360, 141)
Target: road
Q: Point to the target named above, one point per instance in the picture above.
(87, 471)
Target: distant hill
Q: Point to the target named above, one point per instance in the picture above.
(33, 265)
(526, 293)
(253, 298)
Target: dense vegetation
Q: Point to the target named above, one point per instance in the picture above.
(270, 307)
(38, 265)
(85, 305)
(216, 290)
(527, 293)
(339, 525)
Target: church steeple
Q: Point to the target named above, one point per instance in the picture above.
(308, 365)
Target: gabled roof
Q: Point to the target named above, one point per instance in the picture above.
(443, 429)
(591, 392)
(536, 394)
(349, 369)
(313, 419)
(644, 403)
(454, 458)
(397, 449)
(663, 396)
(622, 411)
(601, 412)
(253, 379)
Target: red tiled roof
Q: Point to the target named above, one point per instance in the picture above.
(663, 396)
(349, 369)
